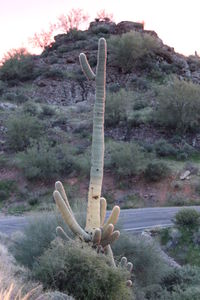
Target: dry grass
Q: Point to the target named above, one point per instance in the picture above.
(9, 272)
(12, 278)
(10, 294)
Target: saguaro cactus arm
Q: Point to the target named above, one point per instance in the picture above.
(86, 67)
(102, 236)
(69, 218)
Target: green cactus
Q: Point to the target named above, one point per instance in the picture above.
(96, 173)
(100, 234)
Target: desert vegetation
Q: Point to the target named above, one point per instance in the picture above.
(151, 140)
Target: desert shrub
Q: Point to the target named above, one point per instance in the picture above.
(80, 271)
(47, 110)
(3, 87)
(187, 218)
(128, 48)
(184, 277)
(185, 151)
(31, 108)
(37, 235)
(18, 65)
(17, 96)
(44, 161)
(55, 296)
(178, 105)
(125, 159)
(54, 74)
(156, 170)
(101, 28)
(141, 116)
(149, 266)
(7, 187)
(192, 292)
(64, 48)
(194, 62)
(21, 128)
(82, 164)
(116, 108)
(179, 199)
(76, 34)
(163, 148)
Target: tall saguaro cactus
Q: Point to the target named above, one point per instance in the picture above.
(96, 173)
(101, 234)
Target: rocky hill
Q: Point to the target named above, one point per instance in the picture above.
(62, 56)
(51, 91)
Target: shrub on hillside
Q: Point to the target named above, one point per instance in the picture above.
(54, 73)
(31, 108)
(18, 65)
(149, 266)
(163, 148)
(21, 128)
(184, 277)
(178, 105)
(116, 108)
(125, 159)
(44, 161)
(7, 187)
(36, 238)
(187, 218)
(156, 170)
(77, 269)
(130, 47)
(18, 96)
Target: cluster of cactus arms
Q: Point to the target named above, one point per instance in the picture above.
(99, 233)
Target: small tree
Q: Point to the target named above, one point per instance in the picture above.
(44, 38)
(72, 20)
(102, 15)
(17, 64)
(178, 105)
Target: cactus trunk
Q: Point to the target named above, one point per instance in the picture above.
(96, 173)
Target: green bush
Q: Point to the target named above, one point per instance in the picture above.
(124, 159)
(3, 87)
(116, 108)
(178, 105)
(184, 277)
(138, 117)
(130, 47)
(76, 34)
(156, 170)
(179, 199)
(18, 65)
(149, 266)
(48, 110)
(7, 187)
(18, 96)
(54, 73)
(31, 108)
(21, 128)
(163, 148)
(44, 161)
(77, 269)
(187, 218)
(37, 235)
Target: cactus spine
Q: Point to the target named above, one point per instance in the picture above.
(96, 173)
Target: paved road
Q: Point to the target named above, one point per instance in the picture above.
(133, 220)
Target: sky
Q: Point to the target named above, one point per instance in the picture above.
(177, 22)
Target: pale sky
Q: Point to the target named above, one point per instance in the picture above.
(177, 22)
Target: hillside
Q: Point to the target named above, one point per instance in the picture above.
(46, 120)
